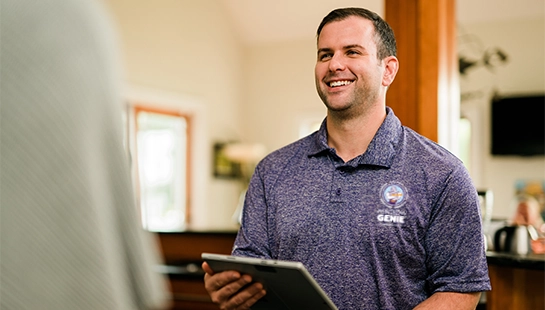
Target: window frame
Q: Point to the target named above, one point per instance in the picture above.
(133, 109)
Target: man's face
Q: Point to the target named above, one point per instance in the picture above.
(348, 73)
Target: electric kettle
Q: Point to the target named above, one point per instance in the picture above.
(515, 239)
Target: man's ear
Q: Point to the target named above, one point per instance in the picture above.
(391, 65)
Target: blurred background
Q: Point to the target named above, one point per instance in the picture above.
(202, 75)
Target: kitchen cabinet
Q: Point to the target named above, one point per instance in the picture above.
(518, 281)
(182, 265)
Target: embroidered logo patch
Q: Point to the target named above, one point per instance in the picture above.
(393, 195)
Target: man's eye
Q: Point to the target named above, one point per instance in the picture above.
(352, 52)
(323, 57)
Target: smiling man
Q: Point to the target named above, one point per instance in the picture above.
(382, 217)
(351, 79)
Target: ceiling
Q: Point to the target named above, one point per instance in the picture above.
(262, 21)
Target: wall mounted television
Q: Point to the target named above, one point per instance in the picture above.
(518, 125)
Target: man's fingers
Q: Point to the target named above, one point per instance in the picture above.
(256, 292)
(244, 298)
(233, 287)
(207, 268)
(231, 290)
(217, 281)
(222, 293)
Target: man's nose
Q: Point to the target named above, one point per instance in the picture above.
(336, 63)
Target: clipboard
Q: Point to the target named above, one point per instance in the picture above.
(288, 284)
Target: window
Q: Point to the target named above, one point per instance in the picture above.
(464, 136)
(160, 160)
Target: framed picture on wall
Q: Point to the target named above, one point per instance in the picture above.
(224, 167)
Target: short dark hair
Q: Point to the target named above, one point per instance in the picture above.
(384, 35)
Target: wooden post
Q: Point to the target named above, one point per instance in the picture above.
(425, 93)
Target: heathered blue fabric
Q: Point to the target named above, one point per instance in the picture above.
(305, 204)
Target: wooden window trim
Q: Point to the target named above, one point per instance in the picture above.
(142, 107)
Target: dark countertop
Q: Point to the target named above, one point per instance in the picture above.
(527, 261)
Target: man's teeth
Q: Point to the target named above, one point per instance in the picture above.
(339, 83)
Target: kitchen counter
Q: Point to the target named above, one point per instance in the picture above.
(528, 261)
(518, 281)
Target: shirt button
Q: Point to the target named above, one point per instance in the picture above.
(338, 192)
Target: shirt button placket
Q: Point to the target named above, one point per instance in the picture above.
(337, 187)
(337, 184)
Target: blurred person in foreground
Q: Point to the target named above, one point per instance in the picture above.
(70, 231)
(382, 217)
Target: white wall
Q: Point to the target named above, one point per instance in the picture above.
(279, 91)
(184, 54)
(523, 40)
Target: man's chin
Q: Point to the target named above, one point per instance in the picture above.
(340, 112)
(337, 105)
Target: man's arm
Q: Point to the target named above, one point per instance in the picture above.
(450, 300)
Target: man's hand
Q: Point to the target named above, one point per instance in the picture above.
(231, 290)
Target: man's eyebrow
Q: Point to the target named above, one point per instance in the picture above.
(346, 47)
(324, 50)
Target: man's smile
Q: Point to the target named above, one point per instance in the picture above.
(339, 83)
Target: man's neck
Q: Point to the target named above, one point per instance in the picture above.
(351, 137)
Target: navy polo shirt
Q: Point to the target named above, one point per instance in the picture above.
(385, 230)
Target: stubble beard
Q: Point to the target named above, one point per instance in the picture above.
(360, 101)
